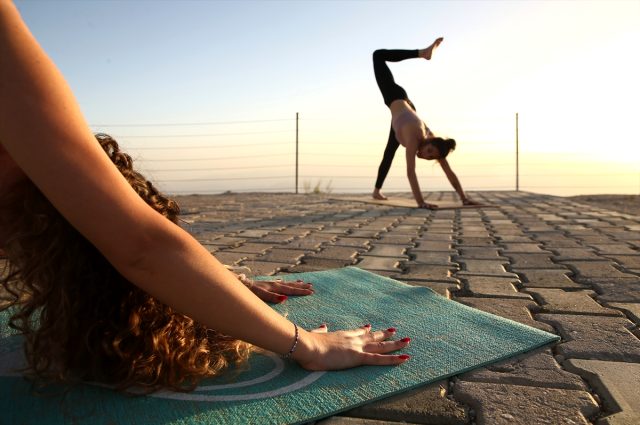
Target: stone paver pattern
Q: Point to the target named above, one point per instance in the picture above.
(546, 261)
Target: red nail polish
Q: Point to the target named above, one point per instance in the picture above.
(367, 325)
(405, 340)
(323, 325)
(404, 357)
(391, 330)
(282, 298)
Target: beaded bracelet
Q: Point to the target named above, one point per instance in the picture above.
(294, 346)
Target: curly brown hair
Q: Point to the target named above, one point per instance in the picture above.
(81, 319)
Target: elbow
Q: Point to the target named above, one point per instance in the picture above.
(135, 254)
(132, 253)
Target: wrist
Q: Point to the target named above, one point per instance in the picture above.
(306, 349)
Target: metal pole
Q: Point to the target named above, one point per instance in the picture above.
(517, 157)
(296, 153)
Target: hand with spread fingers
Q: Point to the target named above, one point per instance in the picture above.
(428, 206)
(277, 290)
(468, 201)
(320, 349)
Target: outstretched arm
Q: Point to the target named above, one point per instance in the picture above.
(453, 179)
(413, 178)
(43, 130)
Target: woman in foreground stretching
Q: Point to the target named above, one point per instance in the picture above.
(121, 294)
(408, 130)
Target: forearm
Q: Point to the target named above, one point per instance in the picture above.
(177, 270)
(457, 187)
(415, 188)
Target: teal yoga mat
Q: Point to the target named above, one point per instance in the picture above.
(448, 338)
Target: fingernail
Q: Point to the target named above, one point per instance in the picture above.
(367, 325)
(405, 340)
(404, 357)
(391, 330)
(324, 325)
(282, 298)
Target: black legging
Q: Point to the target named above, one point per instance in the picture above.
(390, 91)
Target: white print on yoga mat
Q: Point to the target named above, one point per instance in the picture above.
(13, 361)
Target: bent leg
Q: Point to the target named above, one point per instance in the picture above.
(388, 87)
(387, 158)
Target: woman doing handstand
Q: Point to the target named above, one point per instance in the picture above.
(408, 130)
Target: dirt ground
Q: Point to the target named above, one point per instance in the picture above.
(628, 204)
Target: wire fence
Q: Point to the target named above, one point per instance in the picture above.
(260, 155)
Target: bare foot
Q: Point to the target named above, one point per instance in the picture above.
(426, 53)
(379, 196)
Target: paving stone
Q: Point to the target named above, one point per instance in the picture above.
(627, 261)
(587, 271)
(469, 234)
(429, 272)
(333, 230)
(315, 264)
(384, 250)
(632, 310)
(343, 420)
(433, 246)
(222, 242)
(282, 255)
(617, 290)
(264, 268)
(306, 243)
(230, 258)
(546, 279)
(532, 261)
(560, 243)
(570, 254)
(437, 258)
(558, 301)
(614, 249)
(485, 286)
(333, 252)
(379, 263)
(514, 309)
(594, 337)
(353, 242)
(534, 369)
(497, 404)
(249, 248)
(433, 236)
(469, 241)
(617, 385)
(368, 234)
(522, 248)
(595, 239)
(503, 238)
(550, 237)
(427, 405)
(389, 238)
(253, 233)
(403, 229)
(483, 268)
(275, 239)
(481, 253)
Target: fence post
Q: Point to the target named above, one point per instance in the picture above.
(517, 157)
(296, 153)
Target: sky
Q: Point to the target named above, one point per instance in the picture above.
(204, 94)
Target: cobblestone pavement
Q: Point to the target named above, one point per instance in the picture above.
(548, 262)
